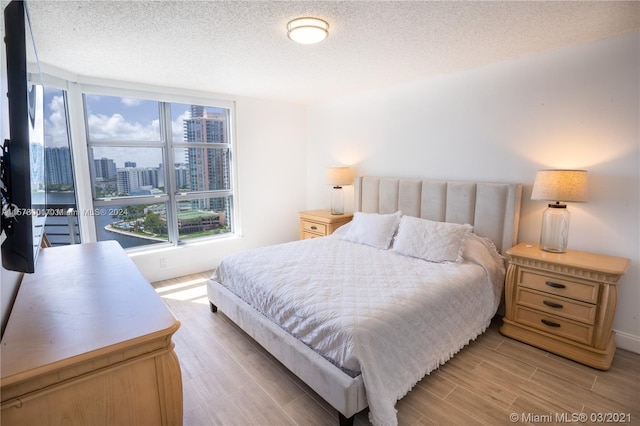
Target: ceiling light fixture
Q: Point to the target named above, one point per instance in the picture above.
(308, 30)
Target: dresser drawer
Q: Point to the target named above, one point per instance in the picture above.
(316, 228)
(554, 284)
(572, 330)
(308, 235)
(566, 308)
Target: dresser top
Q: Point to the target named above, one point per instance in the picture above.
(574, 258)
(83, 301)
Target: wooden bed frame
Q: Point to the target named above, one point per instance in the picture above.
(492, 208)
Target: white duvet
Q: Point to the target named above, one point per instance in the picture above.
(390, 317)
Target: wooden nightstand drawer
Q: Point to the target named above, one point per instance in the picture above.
(314, 227)
(307, 235)
(555, 284)
(319, 223)
(566, 308)
(578, 332)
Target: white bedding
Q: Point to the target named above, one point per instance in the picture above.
(390, 317)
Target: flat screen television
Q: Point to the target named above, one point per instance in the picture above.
(22, 174)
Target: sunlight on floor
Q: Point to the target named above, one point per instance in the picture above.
(192, 291)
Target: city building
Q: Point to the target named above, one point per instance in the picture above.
(37, 165)
(182, 176)
(209, 168)
(58, 168)
(105, 168)
(130, 179)
(145, 190)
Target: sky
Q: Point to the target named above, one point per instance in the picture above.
(116, 119)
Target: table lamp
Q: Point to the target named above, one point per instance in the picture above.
(558, 186)
(337, 177)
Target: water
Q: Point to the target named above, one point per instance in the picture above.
(125, 241)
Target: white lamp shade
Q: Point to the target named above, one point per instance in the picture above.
(560, 185)
(308, 30)
(339, 176)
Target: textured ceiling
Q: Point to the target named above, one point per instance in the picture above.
(241, 48)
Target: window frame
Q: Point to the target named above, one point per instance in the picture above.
(53, 83)
(171, 195)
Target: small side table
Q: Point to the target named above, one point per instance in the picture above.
(320, 223)
(563, 302)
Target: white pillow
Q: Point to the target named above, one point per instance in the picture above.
(430, 240)
(342, 229)
(376, 230)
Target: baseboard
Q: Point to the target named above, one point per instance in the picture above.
(628, 342)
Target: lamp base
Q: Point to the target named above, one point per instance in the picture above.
(337, 200)
(554, 235)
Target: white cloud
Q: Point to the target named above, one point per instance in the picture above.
(55, 127)
(116, 128)
(177, 126)
(131, 102)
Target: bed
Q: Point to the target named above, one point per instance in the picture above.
(331, 309)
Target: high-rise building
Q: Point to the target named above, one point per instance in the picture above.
(182, 177)
(105, 168)
(36, 153)
(209, 168)
(58, 169)
(130, 179)
(130, 164)
(126, 181)
(148, 176)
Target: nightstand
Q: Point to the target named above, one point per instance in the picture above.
(319, 223)
(563, 302)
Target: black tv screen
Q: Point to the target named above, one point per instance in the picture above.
(23, 153)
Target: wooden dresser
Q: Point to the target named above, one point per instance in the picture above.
(319, 223)
(88, 342)
(563, 302)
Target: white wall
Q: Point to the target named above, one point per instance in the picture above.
(569, 108)
(271, 154)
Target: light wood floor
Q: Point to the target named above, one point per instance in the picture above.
(230, 380)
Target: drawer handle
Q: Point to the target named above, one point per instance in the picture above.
(555, 285)
(550, 323)
(314, 227)
(552, 304)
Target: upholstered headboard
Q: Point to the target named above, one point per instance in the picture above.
(492, 208)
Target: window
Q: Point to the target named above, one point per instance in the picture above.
(61, 226)
(161, 172)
